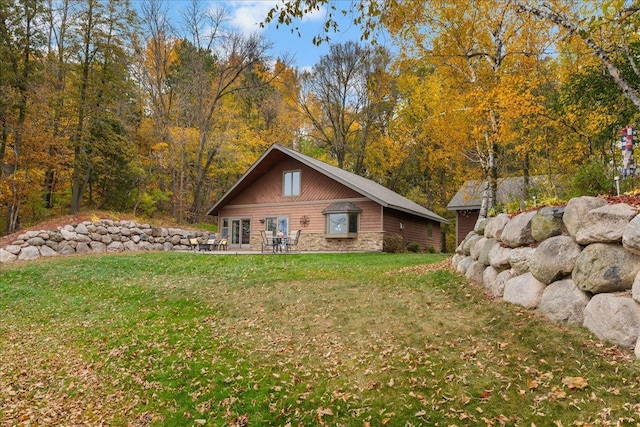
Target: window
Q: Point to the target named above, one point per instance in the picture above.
(275, 225)
(342, 220)
(291, 184)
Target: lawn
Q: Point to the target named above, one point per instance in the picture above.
(290, 340)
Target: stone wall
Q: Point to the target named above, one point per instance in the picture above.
(578, 264)
(97, 237)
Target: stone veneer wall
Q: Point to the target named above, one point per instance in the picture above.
(97, 237)
(578, 264)
(366, 241)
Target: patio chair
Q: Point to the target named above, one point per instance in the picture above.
(292, 241)
(223, 244)
(193, 243)
(267, 242)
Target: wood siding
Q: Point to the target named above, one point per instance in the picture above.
(465, 223)
(425, 232)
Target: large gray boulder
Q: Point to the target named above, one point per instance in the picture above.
(477, 247)
(605, 224)
(480, 225)
(563, 302)
(464, 264)
(524, 290)
(29, 253)
(483, 257)
(554, 259)
(496, 225)
(631, 235)
(519, 259)
(499, 257)
(489, 276)
(7, 257)
(615, 318)
(46, 251)
(497, 287)
(605, 267)
(517, 232)
(635, 288)
(475, 272)
(576, 209)
(547, 223)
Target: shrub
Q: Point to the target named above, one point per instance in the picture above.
(392, 243)
(431, 250)
(590, 179)
(413, 247)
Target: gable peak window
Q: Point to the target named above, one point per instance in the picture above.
(291, 183)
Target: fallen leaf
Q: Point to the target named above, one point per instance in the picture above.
(575, 383)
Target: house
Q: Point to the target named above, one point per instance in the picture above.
(466, 202)
(335, 210)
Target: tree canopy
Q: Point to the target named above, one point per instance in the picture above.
(108, 106)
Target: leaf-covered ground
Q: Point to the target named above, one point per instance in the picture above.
(295, 340)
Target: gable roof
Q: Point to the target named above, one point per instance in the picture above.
(469, 196)
(368, 188)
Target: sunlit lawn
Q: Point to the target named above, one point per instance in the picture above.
(330, 339)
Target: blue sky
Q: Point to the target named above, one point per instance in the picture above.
(246, 15)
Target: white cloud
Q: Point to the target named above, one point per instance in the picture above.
(247, 15)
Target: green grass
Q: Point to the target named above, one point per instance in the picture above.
(333, 339)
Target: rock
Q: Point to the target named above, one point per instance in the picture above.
(477, 248)
(65, 248)
(576, 209)
(554, 259)
(635, 288)
(631, 235)
(13, 249)
(469, 242)
(115, 247)
(106, 239)
(130, 246)
(96, 237)
(167, 246)
(495, 227)
(517, 232)
(68, 235)
(499, 257)
(480, 225)
(158, 232)
(489, 276)
(524, 290)
(563, 302)
(101, 229)
(519, 259)
(53, 245)
(56, 236)
(145, 246)
(82, 229)
(483, 257)
(125, 232)
(475, 272)
(112, 229)
(615, 318)
(46, 251)
(547, 223)
(29, 253)
(83, 248)
(464, 264)
(98, 247)
(605, 224)
(497, 287)
(175, 240)
(605, 267)
(7, 257)
(636, 351)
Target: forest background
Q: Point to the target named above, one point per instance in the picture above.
(107, 106)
